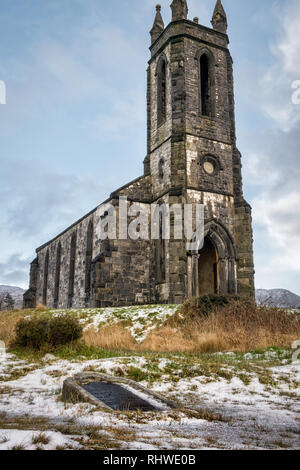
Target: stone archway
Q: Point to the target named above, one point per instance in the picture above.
(208, 269)
(213, 268)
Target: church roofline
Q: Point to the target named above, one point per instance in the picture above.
(112, 196)
(114, 193)
(40, 248)
(189, 22)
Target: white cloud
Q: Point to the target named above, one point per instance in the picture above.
(280, 216)
(272, 166)
(121, 118)
(276, 84)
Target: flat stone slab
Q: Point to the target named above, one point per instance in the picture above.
(113, 393)
(117, 397)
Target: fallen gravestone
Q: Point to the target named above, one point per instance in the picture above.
(113, 393)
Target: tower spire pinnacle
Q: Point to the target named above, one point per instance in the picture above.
(219, 19)
(158, 25)
(179, 10)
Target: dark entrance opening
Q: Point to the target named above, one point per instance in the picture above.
(208, 269)
(117, 397)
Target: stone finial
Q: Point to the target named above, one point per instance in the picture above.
(219, 19)
(179, 10)
(158, 25)
(196, 20)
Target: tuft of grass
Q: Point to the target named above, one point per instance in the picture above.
(137, 374)
(40, 438)
(18, 447)
(40, 308)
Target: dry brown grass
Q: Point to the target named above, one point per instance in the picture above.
(41, 308)
(8, 321)
(239, 326)
(40, 438)
(110, 337)
(168, 339)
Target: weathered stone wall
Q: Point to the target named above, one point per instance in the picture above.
(160, 168)
(79, 298)
(221, 181)
(244, 243)
(216, 206)
(122, 269)
(159, 133)
(217, 126)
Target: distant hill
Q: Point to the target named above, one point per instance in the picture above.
(15, 292)
(280, 298)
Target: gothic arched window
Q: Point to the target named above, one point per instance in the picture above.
(46, 271)
(205, 88)
(89, 256)
(57, 275)
(72, 268)
(206, 83)
(161, 169)
(161, 91)
(161, 251)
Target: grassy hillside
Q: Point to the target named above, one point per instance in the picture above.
(193, 327)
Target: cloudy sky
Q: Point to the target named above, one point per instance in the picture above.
(74, 126)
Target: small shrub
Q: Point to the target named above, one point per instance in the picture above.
(33, 333)
(38, 332)
(206, 304)
(64, 329)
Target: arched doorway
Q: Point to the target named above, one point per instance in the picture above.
(213, 268)
(208, 269)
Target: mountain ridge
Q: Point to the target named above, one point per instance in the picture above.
(281, 298)
(15, 292)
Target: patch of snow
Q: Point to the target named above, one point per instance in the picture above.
(49, 357)
(256, 415)
(14, 438)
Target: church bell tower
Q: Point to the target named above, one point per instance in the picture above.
(192, 155)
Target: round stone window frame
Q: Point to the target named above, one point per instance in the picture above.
(214, 161)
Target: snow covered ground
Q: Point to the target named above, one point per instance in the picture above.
(141, 320)
(238, 402)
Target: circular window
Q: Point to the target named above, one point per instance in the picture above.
(210, 165)
(209, 168)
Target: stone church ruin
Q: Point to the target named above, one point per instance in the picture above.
(191, 158)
